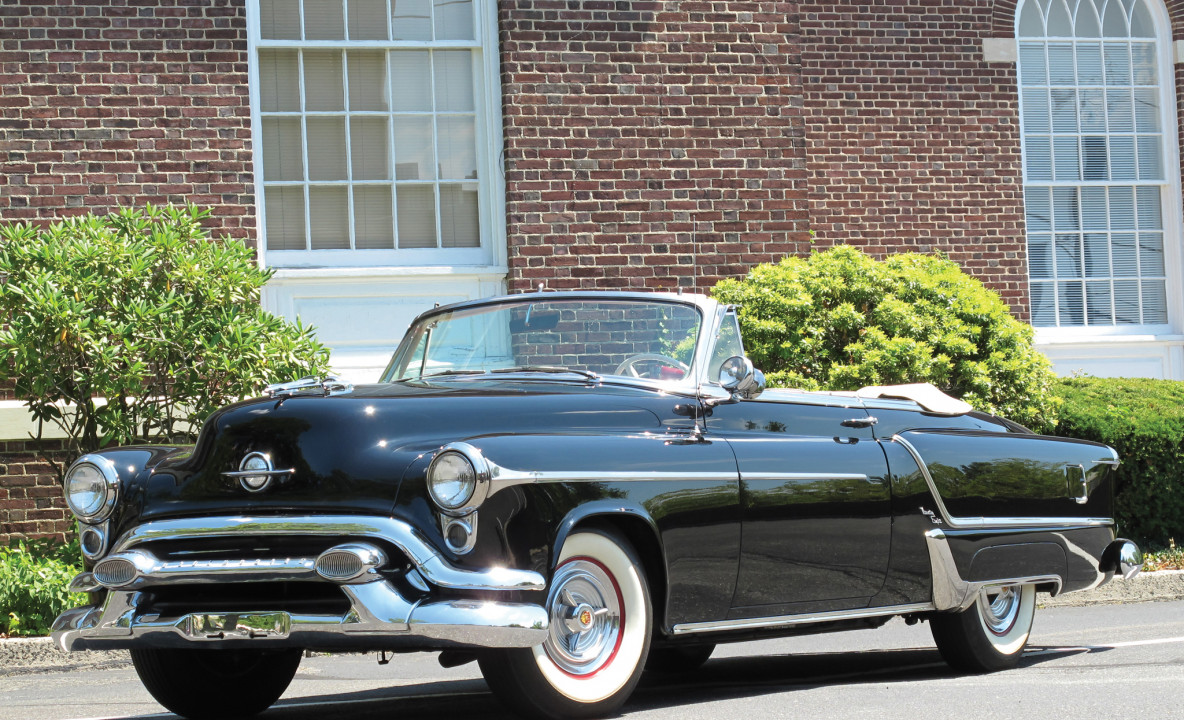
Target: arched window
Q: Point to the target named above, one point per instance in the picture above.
(1099, 144)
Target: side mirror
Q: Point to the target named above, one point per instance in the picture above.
(740, 378)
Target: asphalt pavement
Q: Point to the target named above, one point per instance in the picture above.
(1121, 659)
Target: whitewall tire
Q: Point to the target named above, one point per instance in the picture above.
(599, 636)
(991, 634)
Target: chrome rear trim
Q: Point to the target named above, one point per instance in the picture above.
(768, 623)
(951, 592)
(435, 569)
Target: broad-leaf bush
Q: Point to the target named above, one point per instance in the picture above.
(1143, 419)
(134, 326)
(34, 577)
(839, 320)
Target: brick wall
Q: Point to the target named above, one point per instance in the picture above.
(110, 103)
(912, 139)
(636, 132)
(31, 502)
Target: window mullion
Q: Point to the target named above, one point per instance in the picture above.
(351, 226)
(304, 146)
(392, 154)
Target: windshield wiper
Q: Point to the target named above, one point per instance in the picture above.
(444, 373)
(548, 369)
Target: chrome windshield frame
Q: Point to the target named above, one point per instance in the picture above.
(711, 315)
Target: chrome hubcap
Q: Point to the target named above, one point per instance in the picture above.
(999, 607)
(585, 609)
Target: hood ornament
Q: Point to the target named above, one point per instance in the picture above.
(314, 386)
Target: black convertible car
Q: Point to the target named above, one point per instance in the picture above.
(567, 487)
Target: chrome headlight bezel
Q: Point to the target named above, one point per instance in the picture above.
(110, 477)
(479, 490)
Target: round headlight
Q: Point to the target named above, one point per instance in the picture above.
(452, 480)
(91, 485)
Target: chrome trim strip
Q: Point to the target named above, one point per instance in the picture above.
(951, 592)
(399, 533)
(253, 473)
(803, 619)
(979, 523)
(804, 476)
(152, 571)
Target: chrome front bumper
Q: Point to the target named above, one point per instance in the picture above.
(380, 617)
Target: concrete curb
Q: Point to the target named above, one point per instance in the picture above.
(23, 656)
(1145, 587)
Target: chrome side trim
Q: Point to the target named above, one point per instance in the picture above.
(950, 591)
(493, 478)
(974, 523)
(804, 619)
(402, 535)
(804, 476)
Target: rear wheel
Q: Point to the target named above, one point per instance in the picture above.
(991, 634)
(600, 624)
(216, 683)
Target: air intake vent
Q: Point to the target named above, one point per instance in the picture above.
(356, 562)
(115, 572)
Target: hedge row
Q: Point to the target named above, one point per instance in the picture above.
(1144, 420)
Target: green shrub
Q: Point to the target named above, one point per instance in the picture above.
(840, 320)
(1144, 420)
(143, 310)
(34, 577)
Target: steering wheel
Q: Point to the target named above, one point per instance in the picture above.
(628, 366)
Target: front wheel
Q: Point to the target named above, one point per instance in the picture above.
(991, 634)
(599, 637)
(203, 683)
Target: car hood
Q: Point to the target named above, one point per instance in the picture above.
(348, 453)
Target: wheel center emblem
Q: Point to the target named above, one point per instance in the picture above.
(586, 618)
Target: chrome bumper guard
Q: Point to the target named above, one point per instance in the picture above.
(380, 616)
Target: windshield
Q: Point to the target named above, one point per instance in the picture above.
(631, 338)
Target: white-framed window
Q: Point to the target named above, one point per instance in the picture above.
(1101, 168)
(377, 132)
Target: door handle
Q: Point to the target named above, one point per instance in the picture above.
(859, 422)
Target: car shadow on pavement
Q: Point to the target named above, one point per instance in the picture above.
(720, 679)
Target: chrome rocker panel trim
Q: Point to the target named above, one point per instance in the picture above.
(769, 623)
(951, 592)
(435, 569)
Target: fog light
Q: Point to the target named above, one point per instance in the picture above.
(115, 572)
(352, 563)
(460, 533)
(93, 539)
